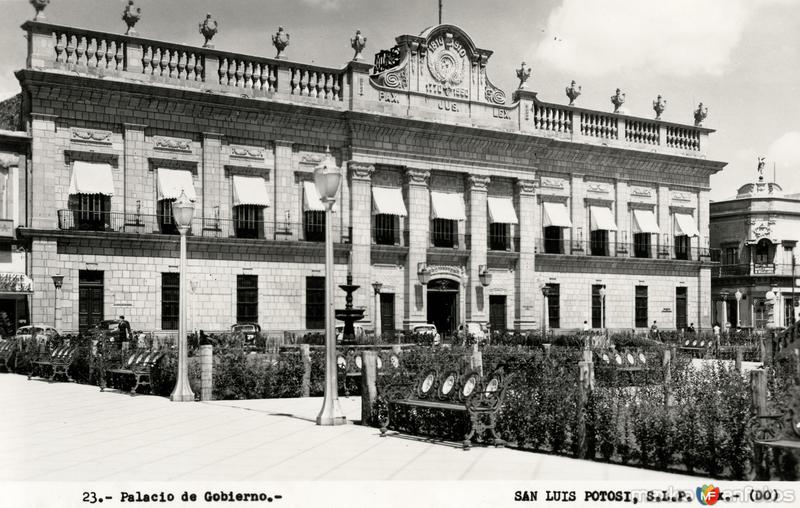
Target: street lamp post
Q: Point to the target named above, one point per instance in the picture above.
(545, 294)
(182, 211)
(376, 286)
(603, 308)
(326, 179)
(58, 281)
(724, 296)
(738, 296)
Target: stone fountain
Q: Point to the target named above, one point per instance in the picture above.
(349, 315)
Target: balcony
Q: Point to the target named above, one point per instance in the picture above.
(502, 243)
(754, 270)
(137, 223)
(550, 246)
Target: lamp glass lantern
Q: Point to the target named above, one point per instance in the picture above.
(423, 273)
(58, 281)
(327, 177)
(738, 295)
(183, 211)
(484, 275)
(376, 286)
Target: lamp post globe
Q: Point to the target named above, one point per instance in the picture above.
(327, 177)
(602, 294)
(58, 281)
(484, 275)
(182, 212)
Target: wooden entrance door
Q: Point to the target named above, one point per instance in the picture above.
(497, 313)
(90, 299)
(387, 313)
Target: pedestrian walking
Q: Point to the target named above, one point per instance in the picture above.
(123, 330)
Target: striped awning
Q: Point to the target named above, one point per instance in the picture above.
(312, 202)
(91, 178)
(555, 214)
(644, 221)
(685, 225)
(388, 201)
(501, 211)
(602, 219)
(447, 206)
(172, 181)
(250, 190)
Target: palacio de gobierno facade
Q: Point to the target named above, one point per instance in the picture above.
(483, 195)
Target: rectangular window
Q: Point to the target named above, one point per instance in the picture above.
(386, 229)
(170, 300)
(499, 236)
(598, 306)
(730, 256)
(444, 233)
(166, 221)
(682, 246)
(248, 221)
(247, 299)
(641, 245)
(92, 212)
(314, 226)
(554, 240)
(681, 300)
(599, 242)
(315, 303)
(554, 305)
(640, 317)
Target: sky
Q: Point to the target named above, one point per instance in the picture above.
(741, 58)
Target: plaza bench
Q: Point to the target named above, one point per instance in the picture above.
(58, 361)
(469, 394)
(696, 347)
(138, 365)
(7, 350)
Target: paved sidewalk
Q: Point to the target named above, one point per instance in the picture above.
(68, 432)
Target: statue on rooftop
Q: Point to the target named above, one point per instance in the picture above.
(208, 28)
(573, 92)
(761, 164)
(659, 105)
(358, 43)
(131, 15)
(523, 74)
(280, 40)
(39, 5)
(700, 114)
(618, 99)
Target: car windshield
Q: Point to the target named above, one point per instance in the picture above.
(423, 329)
(27, 330)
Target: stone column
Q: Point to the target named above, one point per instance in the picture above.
(703, 210)
(44, 174)
(624, 235)
(211, 179)
(664, 219)
(284, 189)
(476, 296)
(525, 282)
(360, 220)
(580, 229)
(139, 182)
(418, 227)
(704, 298)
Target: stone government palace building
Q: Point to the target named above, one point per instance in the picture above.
(449, 181)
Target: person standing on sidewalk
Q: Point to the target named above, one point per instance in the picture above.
(124, 330)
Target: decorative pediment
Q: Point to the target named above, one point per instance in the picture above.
(246, 152)
(641, 192)
(172, 144)
(93, 136)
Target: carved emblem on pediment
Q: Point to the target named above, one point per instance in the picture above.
(642, 192)
(762, 230)
(312, 158)
(447, 60)
(553, 183)
(681, 196)
(243, 152)
(91, 136)
(172, 144)
(597, 188)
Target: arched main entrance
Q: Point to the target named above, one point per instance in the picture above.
(443, 305)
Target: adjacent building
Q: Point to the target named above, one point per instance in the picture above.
(462, 200)
(756, 233)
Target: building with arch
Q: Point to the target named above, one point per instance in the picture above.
(485, 196)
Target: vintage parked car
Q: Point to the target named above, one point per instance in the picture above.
(473, 328)
(428, 329)
(43, 332)
(249, 332)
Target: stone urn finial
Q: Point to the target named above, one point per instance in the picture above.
(618, 99)
(659, 105)
(131, 15)
(358, 42)
(523, 74)
(39, 5)
(700, 114)
(208, 29)
(280, 40)
(573, 92)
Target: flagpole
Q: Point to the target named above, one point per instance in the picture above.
(440, 12)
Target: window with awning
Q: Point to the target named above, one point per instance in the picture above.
(250, 191)
(91, 178)
(555, 214)
(388, 201)
(644, 221)
(685, 225)
(601, 219)
(447, 206)
(171, 182)
(312, 202)
(501, 211)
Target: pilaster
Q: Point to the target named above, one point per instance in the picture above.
(476, 297)
(664, 222)
(525, 301)
(211, 178)
(624, 236)
(137, 184)
(417, 180)
(579, 235)
(360, 213)
(43, 171)
(284, 189)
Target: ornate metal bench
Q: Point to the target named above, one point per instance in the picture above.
(137, 365)
(478, 398)
(58, 362)
(697, 347)
(8, 348)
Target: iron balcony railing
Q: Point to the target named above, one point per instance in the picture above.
(121, 222)
(755, 269)
(621, 249)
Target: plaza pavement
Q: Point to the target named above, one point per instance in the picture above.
(71, 432)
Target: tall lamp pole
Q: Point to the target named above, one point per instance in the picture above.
(738, 295)
(376, 286)
(545, 294)
(58, 281)
(603, 308)
(326, 179)
(794, 282)
(182, 211)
